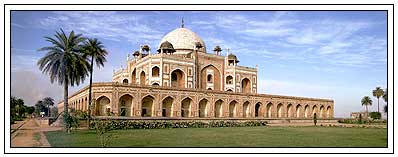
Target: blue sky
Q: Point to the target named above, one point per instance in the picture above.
(341, 55)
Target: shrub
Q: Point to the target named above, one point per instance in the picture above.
(70, 121)
(375, 115)
(158, 124)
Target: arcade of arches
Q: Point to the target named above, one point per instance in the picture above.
(134, 101)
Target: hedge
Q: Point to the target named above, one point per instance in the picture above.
(158, 124)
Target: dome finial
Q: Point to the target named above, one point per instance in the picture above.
(182, 22)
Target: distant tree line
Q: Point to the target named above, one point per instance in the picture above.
(20, 111)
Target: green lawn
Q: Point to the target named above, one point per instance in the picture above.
(228, 137)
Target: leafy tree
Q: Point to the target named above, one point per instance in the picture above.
(365, 102)
(375, 115)
(64, 62)
(30, 109)
(93, 50)
(378, 92)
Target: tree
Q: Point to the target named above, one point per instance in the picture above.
(378, 92)
(48, 102)
(93, 50)
(385, 100)
(217, 49)
(365, 102)
(64, 62)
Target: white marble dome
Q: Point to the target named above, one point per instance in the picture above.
(183, 40)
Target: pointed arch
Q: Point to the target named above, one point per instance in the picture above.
(298, 111)
(204, 107)
(186, 107)
(246, 109)
(246, 85)
(210, 77)
(102, 106)
(133, 77)
(218, 111)
(126, 105)
(307, 111)
(142, 78)
(279, 110)
(168, 107)
(269, 107)
(329, 112)
(232, 108)
(178, 78)
(148, 106)
(289, 111)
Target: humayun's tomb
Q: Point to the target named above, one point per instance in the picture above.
(182, 80)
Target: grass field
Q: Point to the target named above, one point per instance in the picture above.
(228, 137)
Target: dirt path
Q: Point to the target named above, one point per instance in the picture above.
(31, 134)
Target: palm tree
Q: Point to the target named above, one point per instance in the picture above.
(217, 49)
(378, 92)
(48, 101)
(93, 50)
(385, 100)
(365, 102)
(64, 63)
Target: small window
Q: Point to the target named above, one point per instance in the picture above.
(125, 81)
(209, 78)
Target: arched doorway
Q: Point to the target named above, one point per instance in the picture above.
(178, 79)
(186, 107)
(203, 108)
(279, 109)
(322, 112)
(125, 81)
(246, 85)
(126, 105)
(147, 106)
(155, 71)
(167, 107)
(329, 112)
(142, 78)
(102, 105)
(289, 110)
(306, 111)
(298, 111)
(155, 84)
(218, 108)
(258, 110)
(232, 108)
(210, 75)
(246, 111)
(314, 110)
(133, 77)
(269, 110)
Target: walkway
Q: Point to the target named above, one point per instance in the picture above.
(31, 134)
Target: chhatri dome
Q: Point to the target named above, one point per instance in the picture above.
(183, 40)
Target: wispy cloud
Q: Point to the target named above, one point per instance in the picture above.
(106, 24)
